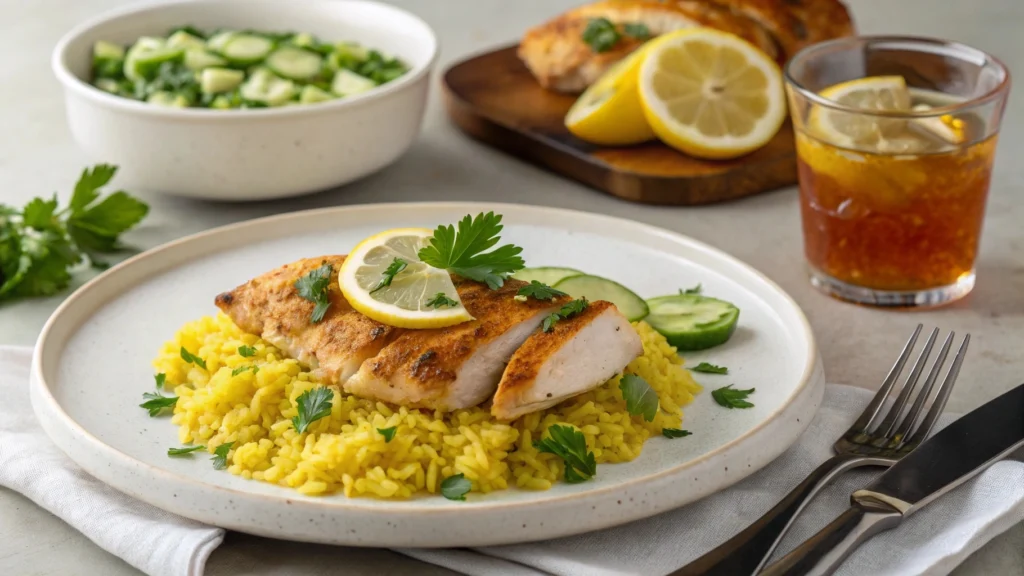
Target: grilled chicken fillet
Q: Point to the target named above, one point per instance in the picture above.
(578, 354)
(561, 61)
(335, 348)
(459, 366)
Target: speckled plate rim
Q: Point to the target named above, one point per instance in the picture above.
(377, 525)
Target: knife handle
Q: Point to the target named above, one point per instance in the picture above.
(748, 551)
(822, 553)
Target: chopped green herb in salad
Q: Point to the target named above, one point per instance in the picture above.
(230, 69)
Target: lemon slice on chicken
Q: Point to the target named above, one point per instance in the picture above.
(710, 94)
(411, 299)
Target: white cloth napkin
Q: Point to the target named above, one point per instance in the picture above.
(157, 542)
(931, 542)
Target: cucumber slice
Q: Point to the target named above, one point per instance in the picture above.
(182, 39)
(691, 321)
(546, 274)
(311, 94)
(197, 60)
(214, 80)
(107, 51)
(348, 83)
(245, 49)
(304, 40)
(167, 99)
(218, 41)
(265, 88)
(108, 85)
(294, 63)
(141, 62)
(596, 288)
(221, 102)
(149, 43)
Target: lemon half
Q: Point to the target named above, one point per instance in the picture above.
(407, 301)
(609, 112)
(711, 94)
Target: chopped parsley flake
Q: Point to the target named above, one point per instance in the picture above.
(220, 456)
(641, 399)
(539, 291)
(440, 300)
(192, 358)
(570, 445)
(160, 379)
(184, 450)
(388, 433)
(393, 269)
(710, 368)
(455, 487)
(314, 287)
(313, 405)
(675, 433)
(241, 369)
(732, 398)
(246, 351)
(567, 311)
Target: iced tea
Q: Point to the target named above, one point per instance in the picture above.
(903, 219)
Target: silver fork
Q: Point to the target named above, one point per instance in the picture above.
(873, 440)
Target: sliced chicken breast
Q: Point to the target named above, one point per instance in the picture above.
(335, 348)
(577, 355)
(561, 61)
(459, 366)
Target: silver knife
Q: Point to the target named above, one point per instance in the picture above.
(956, 454)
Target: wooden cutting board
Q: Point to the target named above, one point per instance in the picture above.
(493, 98)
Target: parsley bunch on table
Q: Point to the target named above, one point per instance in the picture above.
(41, 244)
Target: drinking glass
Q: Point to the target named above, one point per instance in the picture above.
(896, 137)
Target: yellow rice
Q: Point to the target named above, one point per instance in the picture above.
(344, 452)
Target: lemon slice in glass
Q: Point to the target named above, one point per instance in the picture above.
(609, 112)
(711, 94)
(863, 131)
(411, 299)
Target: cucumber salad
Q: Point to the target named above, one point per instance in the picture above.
(688, 320)
(227, 69)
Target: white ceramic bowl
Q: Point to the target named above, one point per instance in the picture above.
(251, 154)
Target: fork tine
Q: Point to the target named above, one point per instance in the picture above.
(889, 422)
(863, 423)
(926, 390)
(939, 404)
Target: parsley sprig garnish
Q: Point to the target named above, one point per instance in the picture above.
(220, 456)
(732, 398)
(315, 288)
(156, 402)
(641, 399)
(567, 311)
(455, 487)
(539, 291)
(464, 252)
(710, 368)
(441, 300)
(601, 35)
(313, 405)
(393, 269)
(39, 244)
(184, 450)
(570, 445)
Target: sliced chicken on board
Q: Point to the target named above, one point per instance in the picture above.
(578, 354)
(560, 60)
(270, 306)
(459, 366)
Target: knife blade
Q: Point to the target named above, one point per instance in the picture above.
(949, 458)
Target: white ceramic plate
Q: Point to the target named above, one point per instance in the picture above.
(92, 364)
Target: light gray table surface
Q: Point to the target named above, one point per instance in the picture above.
(37, 157)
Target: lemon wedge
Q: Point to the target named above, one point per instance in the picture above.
(711, 94)
(411, 299)
(609, 112)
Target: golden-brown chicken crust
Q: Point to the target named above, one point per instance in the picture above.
(560, 60)
(795, 24)
(522, 370)
(270, 306)
(432, 358)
